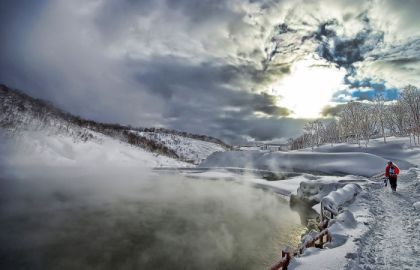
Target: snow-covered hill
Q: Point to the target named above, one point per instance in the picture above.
(50, 129)
(36, 148)
(190, 150)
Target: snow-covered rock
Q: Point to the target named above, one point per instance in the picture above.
(312, 191)
(340, 197)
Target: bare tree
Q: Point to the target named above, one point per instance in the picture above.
(331, 132)
(397, 118)
(367, 123)
(309, 129)
(315, 130)
(380, 112)
(350, 120)
(361, 120)
(410, 98)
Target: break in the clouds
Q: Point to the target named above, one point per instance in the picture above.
(233, 69)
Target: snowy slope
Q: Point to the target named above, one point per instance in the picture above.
(326, 163)
(21, 114)
(188, 149)
(35, 148)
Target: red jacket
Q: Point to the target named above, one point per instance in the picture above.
(396, 170)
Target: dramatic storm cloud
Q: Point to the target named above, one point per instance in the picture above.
(238, 70)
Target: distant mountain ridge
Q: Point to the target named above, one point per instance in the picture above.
(20, 112)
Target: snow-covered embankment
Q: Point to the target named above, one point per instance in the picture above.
(355, 163)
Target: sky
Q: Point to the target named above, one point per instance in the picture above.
(237, 70)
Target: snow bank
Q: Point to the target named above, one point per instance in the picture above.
(333, 201)
(363, 164)
(397, 149)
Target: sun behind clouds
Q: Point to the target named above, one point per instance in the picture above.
(309, 87)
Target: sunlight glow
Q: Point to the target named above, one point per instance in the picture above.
(309, 87)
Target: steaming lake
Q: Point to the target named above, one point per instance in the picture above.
(157, 222)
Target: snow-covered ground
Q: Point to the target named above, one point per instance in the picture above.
(397, 149)
(385, 234)
(340, 159)
(378, 230)
(392, 239)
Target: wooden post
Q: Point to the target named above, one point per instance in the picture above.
(287, 260)
(283, 263)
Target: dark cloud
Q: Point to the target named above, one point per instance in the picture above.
(346, 51)
(281, 33)
(205, 10)
(331, 111)
(266, 103)
(114, 18)
(201, 66)
(368, 84)
(271, 128)
(260, 129)
(358, 41)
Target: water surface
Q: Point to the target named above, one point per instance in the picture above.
(153, 222)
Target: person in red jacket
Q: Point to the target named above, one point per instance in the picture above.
(391, 171)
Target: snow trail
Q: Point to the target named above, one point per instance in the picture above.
(393, 239)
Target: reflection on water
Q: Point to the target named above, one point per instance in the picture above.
(154, 223)
(305, 211)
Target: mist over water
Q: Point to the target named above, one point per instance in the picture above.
(102, 216)
(116, 220)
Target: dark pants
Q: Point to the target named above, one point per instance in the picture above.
(393, 182)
